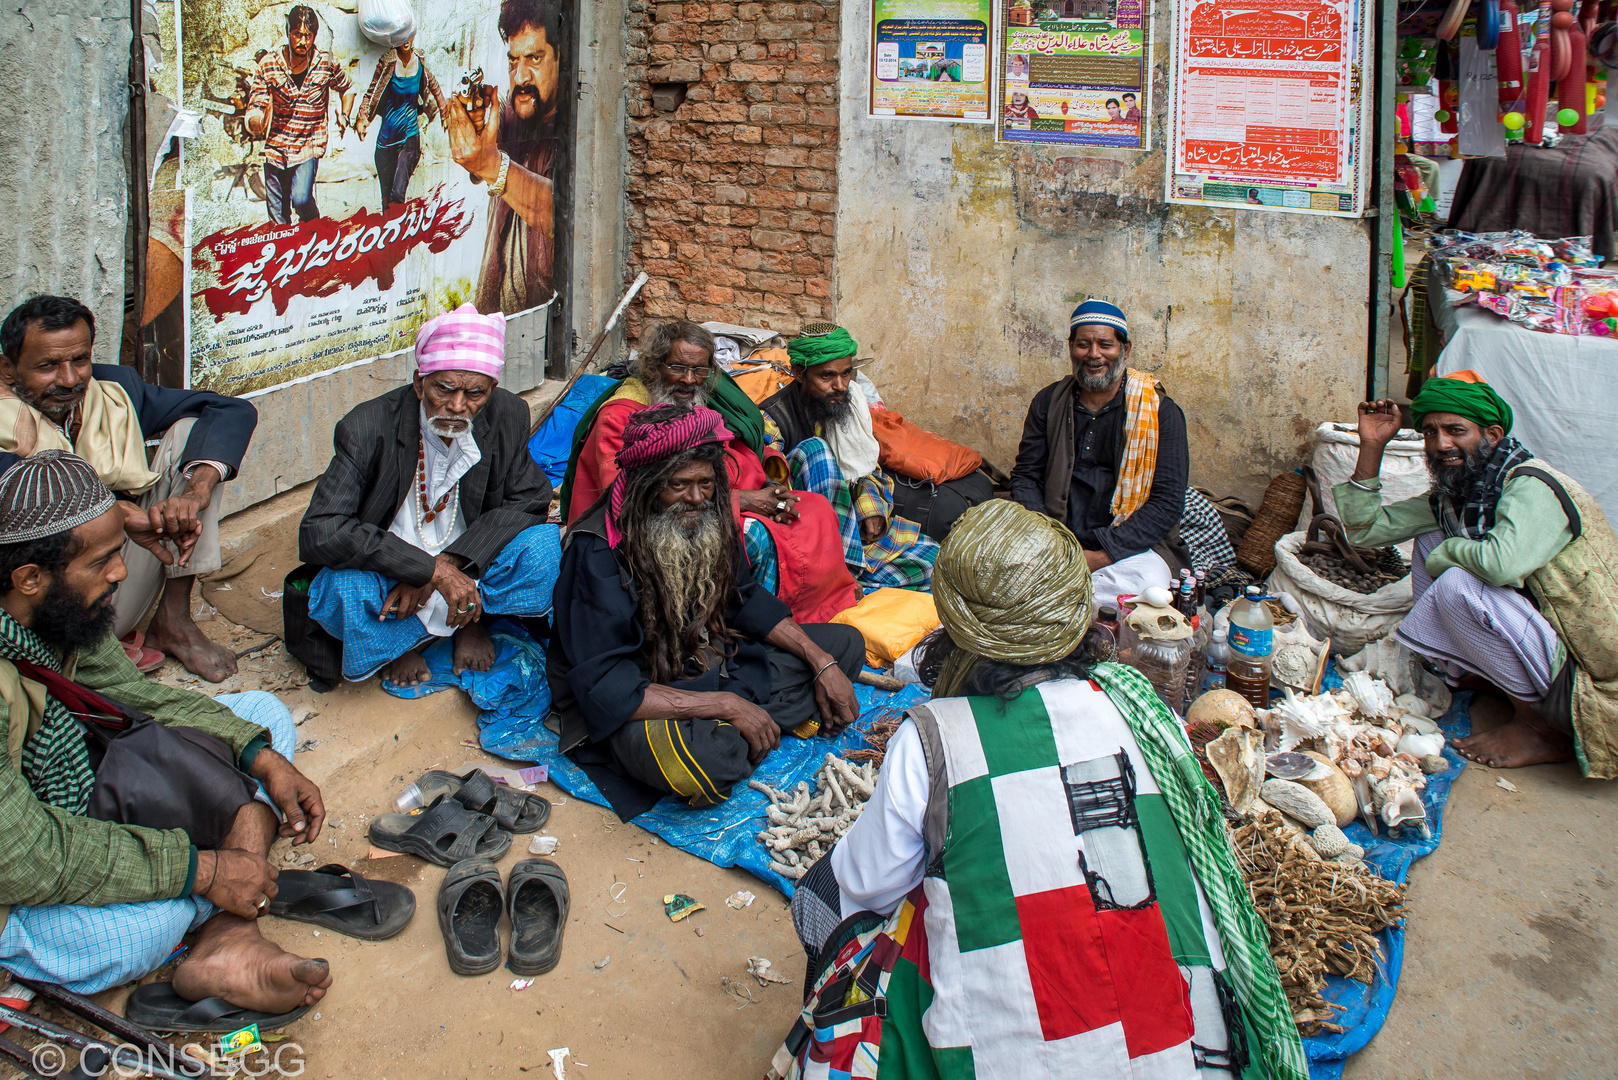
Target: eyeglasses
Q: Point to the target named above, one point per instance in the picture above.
(680, 371)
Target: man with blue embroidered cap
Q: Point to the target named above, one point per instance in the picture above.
(430, 517)
(1515, 575)
(891, 525)
(132, 816)
(1104, 452)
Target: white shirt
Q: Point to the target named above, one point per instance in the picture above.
(880, 859)
(446, 464)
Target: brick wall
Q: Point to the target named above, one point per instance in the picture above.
(733, 194)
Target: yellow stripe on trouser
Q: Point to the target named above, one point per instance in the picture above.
(678, 764)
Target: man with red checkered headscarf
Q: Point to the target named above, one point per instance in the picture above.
(672, 670)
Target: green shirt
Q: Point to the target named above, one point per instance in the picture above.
(1530, 529)
(49, 856)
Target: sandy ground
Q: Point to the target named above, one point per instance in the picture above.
(1508, 970)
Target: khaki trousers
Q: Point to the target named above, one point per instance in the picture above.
(140, 590)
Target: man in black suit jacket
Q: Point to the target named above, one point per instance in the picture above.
(53, 397)
(432, 513)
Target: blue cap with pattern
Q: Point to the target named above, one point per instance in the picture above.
(1098, 313)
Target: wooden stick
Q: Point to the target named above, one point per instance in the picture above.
(612, 320)
(881, 682)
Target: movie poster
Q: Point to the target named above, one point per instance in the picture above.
(342, 193)
(1076, 72)
(1268, 111)
(930, 59)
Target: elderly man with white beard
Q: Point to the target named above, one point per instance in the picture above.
(1515, 575)
(430, 518)
(670, 667)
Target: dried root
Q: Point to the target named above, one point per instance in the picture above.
(803, 826)
(1322, 916)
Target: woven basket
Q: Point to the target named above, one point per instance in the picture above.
(1277, 515)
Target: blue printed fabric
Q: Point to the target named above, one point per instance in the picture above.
(348, 603)
(513, 697)
(761, 557)
(90, 949)
(552, 444)
(902, 558)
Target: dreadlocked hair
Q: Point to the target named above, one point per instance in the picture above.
(667, 637)
(1006, 681)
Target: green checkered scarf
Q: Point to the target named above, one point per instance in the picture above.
(1195, 806)
(55, 761)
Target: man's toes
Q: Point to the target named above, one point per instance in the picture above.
(312, 972)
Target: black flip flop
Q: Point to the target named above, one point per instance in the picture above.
(470, 903)
(445, 833)
(514, 811)
(157, 1007)
(537, 899)
(340, 899)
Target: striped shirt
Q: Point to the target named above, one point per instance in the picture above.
(297, 113)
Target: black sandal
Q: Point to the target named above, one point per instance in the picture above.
(537, 900)
(340, 899)
(514, 811)
(156, 1007)
(470, 903)
(445, 833)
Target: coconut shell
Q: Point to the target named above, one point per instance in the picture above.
(1334, 790)
(1226, 708)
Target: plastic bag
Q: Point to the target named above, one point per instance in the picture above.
(1352, 620)
(892, 621)
(387, 22)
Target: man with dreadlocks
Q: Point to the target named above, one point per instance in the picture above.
(1515, 575)
(670, 665)
(790, 536)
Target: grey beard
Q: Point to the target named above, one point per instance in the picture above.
(450, 429)
(685, 559)
(1095, 383)
(826, 411)
(662, 393)
(1454, 482)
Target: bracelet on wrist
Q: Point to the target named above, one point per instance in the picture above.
(824, 668)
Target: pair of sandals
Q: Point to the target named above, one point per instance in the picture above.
(472, 901)
(332, 896)
(467, 817)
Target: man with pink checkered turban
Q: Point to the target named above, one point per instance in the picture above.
(429, 522)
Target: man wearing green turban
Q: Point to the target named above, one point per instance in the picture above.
(1041, 833)
(1515, 575)
(890, 522)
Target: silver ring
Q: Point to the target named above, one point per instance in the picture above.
(263, 902)
(465, 609)
(781, 505)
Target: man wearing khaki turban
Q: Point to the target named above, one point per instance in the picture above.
(1041, 833)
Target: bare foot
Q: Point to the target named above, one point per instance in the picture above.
(231, 960)
(181, 638)
(1515, 745)
(474, 648)
(408, 670)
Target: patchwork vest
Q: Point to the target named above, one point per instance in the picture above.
(1065, 933)
(1577, 593)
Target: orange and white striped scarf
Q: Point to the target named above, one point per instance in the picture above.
(1142, 394)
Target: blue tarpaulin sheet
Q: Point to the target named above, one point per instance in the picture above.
(1365, 1007)
(553, 442)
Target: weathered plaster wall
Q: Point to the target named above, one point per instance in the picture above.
(959, 259)
(63, 203)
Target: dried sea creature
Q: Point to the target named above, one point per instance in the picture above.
(1298, 801)
(804, 825)
(1237, 756)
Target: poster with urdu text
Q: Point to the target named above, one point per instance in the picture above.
(1076, 72)
(930, 59)
(1268, 111)
(331, 211)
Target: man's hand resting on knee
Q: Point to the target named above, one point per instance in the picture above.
(762, 733)
(293, 793)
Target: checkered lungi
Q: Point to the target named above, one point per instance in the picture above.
(90, 949)
(1468, 626)
(348, 603)
(902, 557)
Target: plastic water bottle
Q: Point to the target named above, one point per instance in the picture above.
(1252, 638)
(1215, 662)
